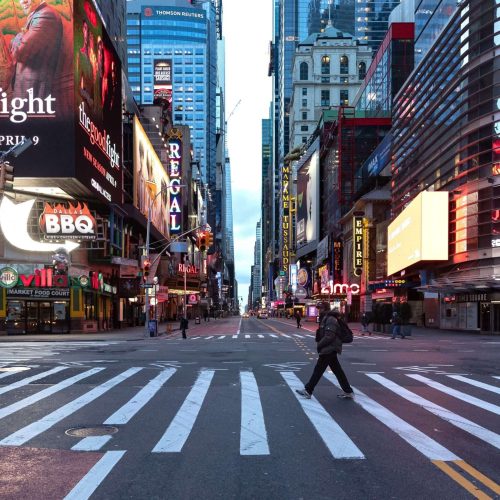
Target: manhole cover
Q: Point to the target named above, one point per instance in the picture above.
(92, 430)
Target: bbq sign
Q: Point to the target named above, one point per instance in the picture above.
(67, 222)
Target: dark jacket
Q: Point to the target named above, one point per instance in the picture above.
(326, 337)
(184, 324)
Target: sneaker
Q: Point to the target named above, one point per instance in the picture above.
(303, 392)
(346, 395)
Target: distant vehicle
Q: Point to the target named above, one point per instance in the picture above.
(262, 315)
(245, 315)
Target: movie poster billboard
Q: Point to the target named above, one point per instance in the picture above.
(98, 93)
(36, 85)
(150, 179)
(308, 200)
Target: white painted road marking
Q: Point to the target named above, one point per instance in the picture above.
(487, 387)
(90, 482)
(424, 444)
(179, 429)
(28, 380)
(336, 440)
(453, 418)
(30, 431)
(253, 435)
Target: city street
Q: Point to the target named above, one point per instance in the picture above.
(216, 416)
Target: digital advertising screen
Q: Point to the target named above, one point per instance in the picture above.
(308, 200)
(149, 179)
(36, 85)
(98, 114)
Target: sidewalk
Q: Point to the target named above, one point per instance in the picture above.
(132, 333)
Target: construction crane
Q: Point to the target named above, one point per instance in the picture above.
(234, 109)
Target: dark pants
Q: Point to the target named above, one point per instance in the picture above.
(184, 333)
(323, 362)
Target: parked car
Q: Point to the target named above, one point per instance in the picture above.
(245, 315)
(262, 315)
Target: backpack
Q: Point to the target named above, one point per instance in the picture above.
(344, 333)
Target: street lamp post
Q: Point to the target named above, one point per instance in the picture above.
(148, 234)
(186, 260)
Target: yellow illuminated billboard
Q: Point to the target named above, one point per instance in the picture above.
(419, 233)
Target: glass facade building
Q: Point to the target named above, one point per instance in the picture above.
(184, 37)
(446, 139)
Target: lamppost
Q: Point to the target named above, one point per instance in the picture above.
(148, 231)
(186, 262)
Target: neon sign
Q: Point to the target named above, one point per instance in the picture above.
(175, 174)
(357, 244)
(285, 223)
(340, 289)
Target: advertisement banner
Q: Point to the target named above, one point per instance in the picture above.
(36, 85)
(163, 79)
(308, 200)
(98, 110)
(149, 179)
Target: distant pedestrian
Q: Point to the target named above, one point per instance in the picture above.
(298, 318)
(365, 321)
(184, 326)
(328, 346)
(396, 325)
(206, 317)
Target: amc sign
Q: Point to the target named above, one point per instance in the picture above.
(71, 222)
(340, 289)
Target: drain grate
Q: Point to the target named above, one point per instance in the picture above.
(92, 430)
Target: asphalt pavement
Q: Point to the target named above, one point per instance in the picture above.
(216, 415)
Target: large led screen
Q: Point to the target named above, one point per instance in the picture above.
(419, 233)
(308, 200)
(36, 84)
(97, 105)
(150, 179)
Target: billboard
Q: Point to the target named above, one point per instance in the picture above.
(163, 79)
(175, 175)
(149, 179)
(419, 233)
(308, 200)
(98, 93)
(36, 84)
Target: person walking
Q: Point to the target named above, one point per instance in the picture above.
(328, 346)
(396, 325)
(184, 326)
(206, 317)
(365, 321)
(298, 318)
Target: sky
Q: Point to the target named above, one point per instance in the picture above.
(248, 32)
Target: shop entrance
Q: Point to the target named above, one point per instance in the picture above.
(37, 317)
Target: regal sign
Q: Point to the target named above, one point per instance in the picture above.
(175, 174)
(188, 269)
(68, 222)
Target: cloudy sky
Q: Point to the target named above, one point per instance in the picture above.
(248, 32)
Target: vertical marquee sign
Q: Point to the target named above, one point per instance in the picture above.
(357, 244)
(175, 174)
(285, 220)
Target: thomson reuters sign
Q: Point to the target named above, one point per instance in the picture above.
(68, 221)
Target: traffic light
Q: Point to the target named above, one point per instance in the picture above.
(202, 242)
(6, 176)
(145, 268)
(210, 240)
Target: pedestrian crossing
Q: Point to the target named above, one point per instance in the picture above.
(21, 394)
(246, 336)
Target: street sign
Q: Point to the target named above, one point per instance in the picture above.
(146, 285)
(282, 273)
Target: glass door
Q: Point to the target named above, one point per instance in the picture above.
(44, 318)
(31, 317)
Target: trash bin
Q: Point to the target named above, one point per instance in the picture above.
(153, 328)
(197, 320)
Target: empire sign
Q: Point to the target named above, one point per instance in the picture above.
(357, 244)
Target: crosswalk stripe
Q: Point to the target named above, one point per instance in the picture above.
(91, 443)
(297, 335)
(30, 431)
(457, 394)
(273, 335)
(8, 374)
(235, 336)
(194, 338)
(28, 380)
(450, 417)
(253, 435)
(129, 409)
(260, 336)
(208, 338)
(222, 337)
(488, 387)
(18, 405)
(91, 481)
(335, 439)
(247, 336)
(179, 429)
(285, 335)
(415, 438)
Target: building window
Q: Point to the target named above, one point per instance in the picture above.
(344, 65)
(361, 70)
(304, 115)
(304, 90)
(344, 97)
(325, 65)
(304, 103)
(304, 139)
(304, 71)
(304, 128)
(325, 98)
